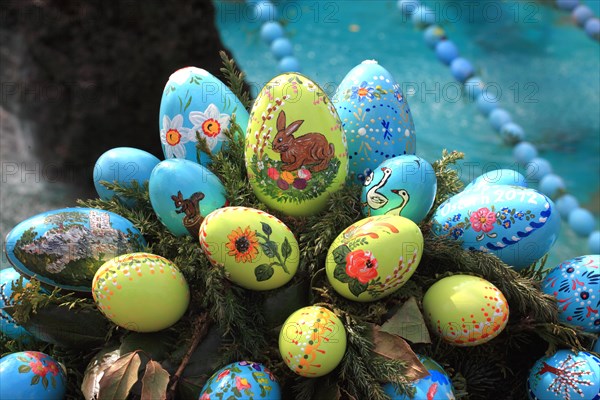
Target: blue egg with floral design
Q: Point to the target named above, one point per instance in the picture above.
(196, 104)
(498, 177)
(8, 325)
(576, 285)
(31, 375)
(242, 380)
(517, 224)
(182, 193)
(436, 386)
(375, 116)
(405, 185)
(565, 375)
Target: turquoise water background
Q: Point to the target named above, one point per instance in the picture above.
(547, 68)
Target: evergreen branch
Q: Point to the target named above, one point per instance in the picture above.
(235, 79)
(448, 179)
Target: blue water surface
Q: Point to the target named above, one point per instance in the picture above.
(547, 69)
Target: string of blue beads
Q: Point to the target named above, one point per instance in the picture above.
(580, 220)
(583, 16)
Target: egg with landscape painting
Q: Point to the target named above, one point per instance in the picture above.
(257, 250)
(295, 152)
(65, 248)
(196, 104)
(517, 224)
(404, 185)
(375, 116)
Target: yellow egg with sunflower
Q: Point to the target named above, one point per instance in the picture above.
(257, 250)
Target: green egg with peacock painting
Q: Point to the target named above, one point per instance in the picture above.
(296, 152)
(374, 257)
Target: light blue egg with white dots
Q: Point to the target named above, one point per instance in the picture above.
(375, 116)
(575, 284)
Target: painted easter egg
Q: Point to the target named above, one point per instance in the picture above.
(258, 251)
(122, 165)
(31, 375)
(295, 147)
(465, 310)
(242, 379)
(516, 224)
(312, 341)
(576, 285)
(436, 386)
(141, 292)
(182, 193)
(374, 257)
(375, 116)
(8, 326)
(195, 103)
(565, 375)
(65, 247)
(498, 177)
(403, 185)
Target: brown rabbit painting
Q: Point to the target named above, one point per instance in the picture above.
(296, 151)
(311, 150)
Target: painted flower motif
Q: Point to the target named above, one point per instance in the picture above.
(362, 91)
(483, 220)
(273, 173)
(242, 383)
(205, 396)
(287, 176)
(260, 165)
(505, 210)
(304, 173)
(457, 233)
(174, 136)
(519, 215)
(361, 265)
(447, 225)
(437, 376)
(210, 124)
(456, 218)
(254, 365)
(243, 244)
(399, 96)
(223, 374)
(38, 368)
(52, 368)
(506, 224)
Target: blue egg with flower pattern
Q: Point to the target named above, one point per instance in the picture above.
(405, 185)
(517, 224)
(375, 116)
(575, 284)
(242, 380)
(565, 375)
(31, 375)
(436, 386)
(8, 326)
(196, 104)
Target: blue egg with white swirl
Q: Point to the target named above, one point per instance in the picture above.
(403, 185)
(375, 116)
(8, 325)
(196, 104)
(575, 284)
(436, 386)
(517, 224)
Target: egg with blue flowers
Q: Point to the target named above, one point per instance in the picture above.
(565, 375)
(575, 284)
(404, 185)
(196, 104)
(436, 386)
(182, 193)
(242, 379)
(122, 165)
(32, 375)
(375, 116)
(8, 326)
(517, 224)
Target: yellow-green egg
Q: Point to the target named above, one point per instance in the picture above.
(374, 257)
(312, 341)
(258, 251)
(296, 152)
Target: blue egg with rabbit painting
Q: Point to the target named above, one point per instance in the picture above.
(404, 185)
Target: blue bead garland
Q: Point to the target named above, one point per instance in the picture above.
(580, 220)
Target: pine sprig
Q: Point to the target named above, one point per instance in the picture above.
(235, 79)
(448, 179)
